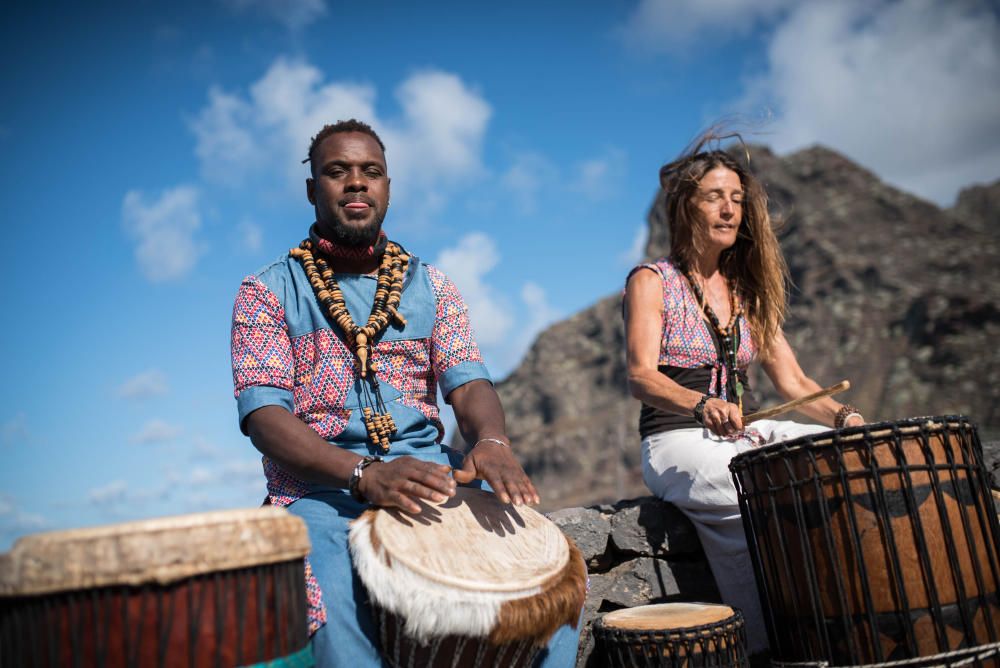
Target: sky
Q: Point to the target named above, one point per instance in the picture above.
(152, 159)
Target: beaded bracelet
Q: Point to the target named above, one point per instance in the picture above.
(845, 413)
(492, 440)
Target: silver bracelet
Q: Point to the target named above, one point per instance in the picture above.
(492, 440)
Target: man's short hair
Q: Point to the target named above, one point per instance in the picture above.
(350, 125)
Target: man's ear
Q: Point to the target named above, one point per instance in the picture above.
(311, 191)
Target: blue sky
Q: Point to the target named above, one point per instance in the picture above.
(151, 160)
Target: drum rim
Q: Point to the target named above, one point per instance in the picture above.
(414, 564)
(873, 429)
(118, 554)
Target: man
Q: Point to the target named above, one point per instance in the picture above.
(300, 342)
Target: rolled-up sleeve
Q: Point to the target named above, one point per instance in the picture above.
(263, 373)
(455, 357)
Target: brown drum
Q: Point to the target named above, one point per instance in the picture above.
(874, 544)
(468, 582)
(674, 635)
(213, 589)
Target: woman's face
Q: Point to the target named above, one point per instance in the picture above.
(719, 204)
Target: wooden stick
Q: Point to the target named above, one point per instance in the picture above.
(795, 403)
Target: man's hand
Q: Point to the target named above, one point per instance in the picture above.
(722, 418)
(402, 482)
(497, 465)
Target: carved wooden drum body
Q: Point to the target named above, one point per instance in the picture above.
(875, 544)
(468, 582)
(211, 589)
(673, 635)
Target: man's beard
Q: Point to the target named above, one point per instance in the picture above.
(336, 231)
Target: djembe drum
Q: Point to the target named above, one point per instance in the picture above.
(213, 589)
(468, 582)
(673, 635)
(875, 544)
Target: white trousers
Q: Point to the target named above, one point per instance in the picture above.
(690, 469)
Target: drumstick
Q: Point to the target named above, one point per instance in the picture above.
(795, 403)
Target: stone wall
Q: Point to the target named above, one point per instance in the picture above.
(638, 551)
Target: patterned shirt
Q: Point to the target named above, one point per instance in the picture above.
(687, 341)
(285, 353)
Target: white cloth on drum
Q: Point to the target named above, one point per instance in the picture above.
(690, 468)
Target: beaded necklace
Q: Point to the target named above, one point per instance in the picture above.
(389, 287)
(728, 335)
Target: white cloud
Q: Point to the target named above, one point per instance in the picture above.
(637, 249)
(13, 518)
(15, 430)
(294, 14)
(540, 314)
(15, 522)
(149, 383)
(436, 140)
(528, 174)
(441, 134)
(251, 236)
(908, 89)
(111, 494)
(164, 230)
(267, 131)
(155, 431)
(673, 25)
(600, 178)
(492, 314)
(466, 265)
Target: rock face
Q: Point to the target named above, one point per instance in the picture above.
(891, 292)
(638, 552)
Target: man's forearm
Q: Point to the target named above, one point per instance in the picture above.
(478, 411)
(297, 448)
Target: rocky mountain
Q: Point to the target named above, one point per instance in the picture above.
(895, 294)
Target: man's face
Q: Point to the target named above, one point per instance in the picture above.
(349, 188)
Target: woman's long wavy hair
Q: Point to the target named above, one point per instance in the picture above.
(754, 265)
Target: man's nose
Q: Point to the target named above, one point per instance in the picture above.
(356, 181)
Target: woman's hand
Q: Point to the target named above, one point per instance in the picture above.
(854, 421)
(722, 418)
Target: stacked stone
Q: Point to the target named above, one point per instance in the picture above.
(638, 552)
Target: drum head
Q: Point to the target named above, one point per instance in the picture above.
(157, 551)
(666, 616)
(473, 542)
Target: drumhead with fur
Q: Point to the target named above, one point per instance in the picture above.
(452, 567)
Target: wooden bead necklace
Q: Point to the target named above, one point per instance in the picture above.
(728, 335)
(388, 291)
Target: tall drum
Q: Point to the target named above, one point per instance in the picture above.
(212, 589)
(469, 582)
(874, 544)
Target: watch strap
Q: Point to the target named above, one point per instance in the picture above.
(699, 409)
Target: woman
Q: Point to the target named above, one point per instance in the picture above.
(694, 322)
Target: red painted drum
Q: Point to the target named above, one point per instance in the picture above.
(212, 589)
(875, 544)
